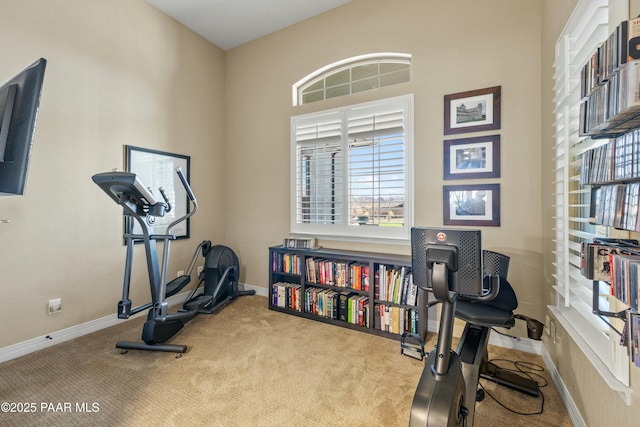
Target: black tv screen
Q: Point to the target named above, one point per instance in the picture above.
(19, 102)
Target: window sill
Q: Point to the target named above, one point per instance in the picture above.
(600, 367)
(356, 239)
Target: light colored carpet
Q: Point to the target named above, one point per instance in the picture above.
(246, 366)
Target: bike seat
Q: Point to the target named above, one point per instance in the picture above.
(496, 312)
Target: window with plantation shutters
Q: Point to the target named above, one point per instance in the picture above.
(586, 29)
(351, 169)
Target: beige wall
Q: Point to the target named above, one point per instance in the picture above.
(119, 72)
(456, 46)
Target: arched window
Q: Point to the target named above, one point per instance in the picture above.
(352, 75)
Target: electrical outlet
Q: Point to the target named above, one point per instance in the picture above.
(547, 324)
(553, 332)
(180, 273)
(55, 305)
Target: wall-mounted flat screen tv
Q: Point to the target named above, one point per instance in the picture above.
(19, 102)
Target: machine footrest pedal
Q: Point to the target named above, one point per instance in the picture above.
(197, 303)
(169, 348)
(412, 345)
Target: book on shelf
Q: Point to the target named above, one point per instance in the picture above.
(344, 274)
(336, 287)
(358, 277)
(286, 295)
(343, 312)
(322, 302)
(395, 319)
(360, 311)
(395, 284)
(286, 263)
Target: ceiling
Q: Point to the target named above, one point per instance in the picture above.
(230, 23)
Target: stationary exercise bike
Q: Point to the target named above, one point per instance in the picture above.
(449, 264)
(220, 273)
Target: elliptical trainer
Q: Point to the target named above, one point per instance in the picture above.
(220, 274)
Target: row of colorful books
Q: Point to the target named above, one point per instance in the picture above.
(287, 295)
(285, 262)
(345, 274)
(391, 283)
(396, 320)
(346, 306)
(395, 284)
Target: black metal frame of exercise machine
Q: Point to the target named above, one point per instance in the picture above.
(447, 391)
(220, 273)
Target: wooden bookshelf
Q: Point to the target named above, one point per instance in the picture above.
(364, 291)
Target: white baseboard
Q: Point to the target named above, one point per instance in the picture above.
(572, 409)
(54, 338)
(260, 290)
(44, 341)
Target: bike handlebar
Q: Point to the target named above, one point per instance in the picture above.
(186, 185)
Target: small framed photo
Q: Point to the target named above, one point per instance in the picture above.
(476, 205)
(157, 169)
(477, 157)
(472, 111)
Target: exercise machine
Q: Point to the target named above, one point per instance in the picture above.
(220, 271)
(449, 264)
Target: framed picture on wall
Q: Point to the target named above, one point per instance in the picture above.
(472, 111)
(477, 157)
(157, 169)
(476, 205)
